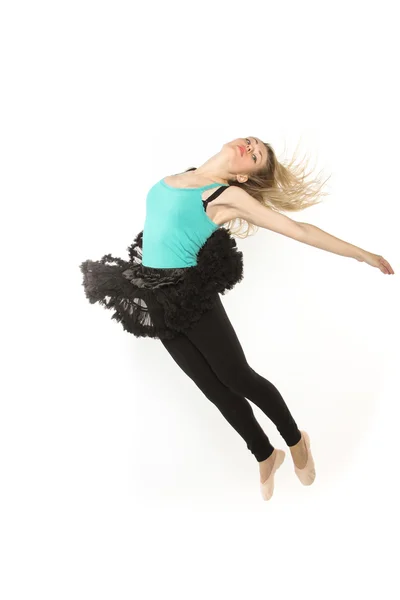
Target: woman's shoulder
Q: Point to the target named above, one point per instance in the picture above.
(185, 179)
(188, 179)
(180, 180)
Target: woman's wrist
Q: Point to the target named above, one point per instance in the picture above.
(361, 255)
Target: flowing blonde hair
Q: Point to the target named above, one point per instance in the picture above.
(280, 186)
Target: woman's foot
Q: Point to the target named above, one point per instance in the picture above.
(267, 472)
(304, 466)
(266, 466)
(299, 453)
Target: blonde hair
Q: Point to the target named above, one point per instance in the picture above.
(281, 186)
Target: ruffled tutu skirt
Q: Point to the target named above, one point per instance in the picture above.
(163, 302)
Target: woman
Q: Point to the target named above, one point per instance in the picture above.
(184, 258)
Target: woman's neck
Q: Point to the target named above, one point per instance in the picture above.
(203, 178)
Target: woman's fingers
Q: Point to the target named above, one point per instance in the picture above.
(387, 267)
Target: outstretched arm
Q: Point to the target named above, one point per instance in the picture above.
(314, 236)
(248, 208)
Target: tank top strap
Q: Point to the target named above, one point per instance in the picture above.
(211, 185)
(221, 187)
(215, 194)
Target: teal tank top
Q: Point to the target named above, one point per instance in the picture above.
(176, 225)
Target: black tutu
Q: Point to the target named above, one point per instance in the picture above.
(163, 302)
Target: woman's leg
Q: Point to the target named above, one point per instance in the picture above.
(233, 406)
(214, 336)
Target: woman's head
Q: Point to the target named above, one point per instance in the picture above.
(245, 158)
(237, 161)
(252, 164)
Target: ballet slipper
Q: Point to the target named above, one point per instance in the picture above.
(307, 473)
(267, 487)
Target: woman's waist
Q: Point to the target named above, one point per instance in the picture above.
(163, 271)
(152, 277)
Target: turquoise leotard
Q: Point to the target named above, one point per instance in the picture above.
(176, 225)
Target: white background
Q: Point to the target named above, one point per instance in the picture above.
(119, 479)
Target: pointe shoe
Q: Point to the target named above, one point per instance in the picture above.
(307, 473)
(267, 487)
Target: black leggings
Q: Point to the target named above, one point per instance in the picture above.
(212, 356)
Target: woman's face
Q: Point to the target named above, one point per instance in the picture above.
(246, 155)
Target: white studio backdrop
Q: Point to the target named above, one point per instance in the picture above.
(118, 477)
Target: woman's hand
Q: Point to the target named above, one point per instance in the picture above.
(375, 260)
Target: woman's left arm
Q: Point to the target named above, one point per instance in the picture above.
(314, 236)
(246, 207)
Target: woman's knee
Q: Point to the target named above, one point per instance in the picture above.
(236, 376)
